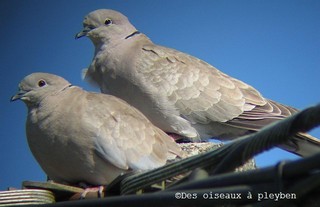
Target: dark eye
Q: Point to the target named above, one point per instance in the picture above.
(108, 21)
(41, 83)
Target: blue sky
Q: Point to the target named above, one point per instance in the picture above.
(273, 45)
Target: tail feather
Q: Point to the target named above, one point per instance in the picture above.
(303, 145)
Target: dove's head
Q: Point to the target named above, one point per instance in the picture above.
(104, 26)
(36, 86)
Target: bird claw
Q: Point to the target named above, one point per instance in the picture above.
(98, 190)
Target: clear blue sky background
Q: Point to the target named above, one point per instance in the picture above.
(273, 45)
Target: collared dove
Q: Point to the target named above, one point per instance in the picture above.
(179, 93)
(83, 137)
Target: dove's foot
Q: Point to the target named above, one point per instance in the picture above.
(98, 190)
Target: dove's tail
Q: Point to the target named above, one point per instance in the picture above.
(303, 145)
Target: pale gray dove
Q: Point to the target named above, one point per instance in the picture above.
(82, 137)
(179, 93)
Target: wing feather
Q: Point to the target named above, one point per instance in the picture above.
(199, 91)
(125, 137)
(203, 94)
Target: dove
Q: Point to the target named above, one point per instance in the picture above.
(84, 137)
(179, 93)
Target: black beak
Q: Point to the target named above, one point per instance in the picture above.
(84, 32)
(18, 96)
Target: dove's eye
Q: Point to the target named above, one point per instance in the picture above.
(41, 83)
(108, 21)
